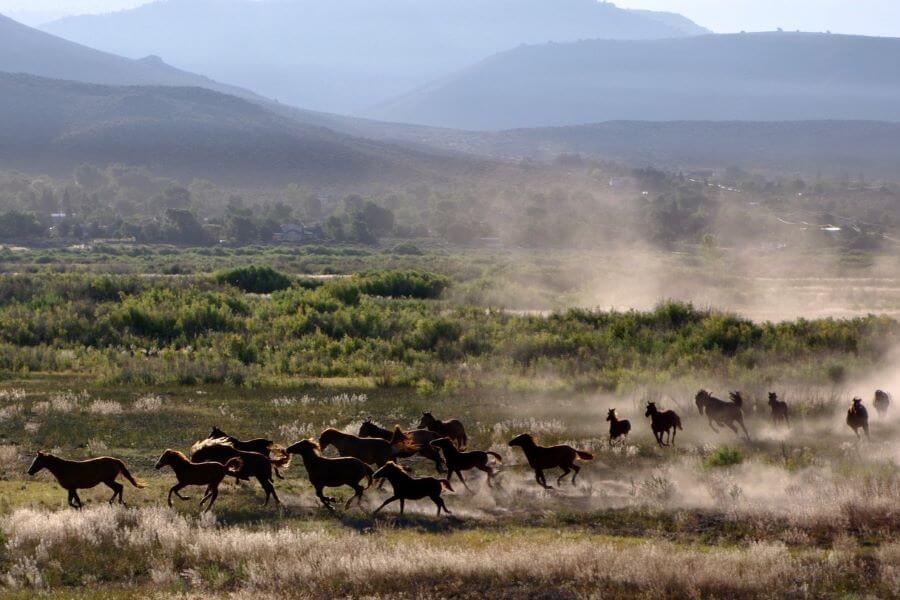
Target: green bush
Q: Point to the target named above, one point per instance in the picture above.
(723, 457)
(255, 280)
(403, 284)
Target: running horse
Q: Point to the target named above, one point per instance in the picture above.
(74, 475)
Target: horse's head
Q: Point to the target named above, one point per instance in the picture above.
(368, 429)
(701, 399)
(327, 438)
(216, 433)
(525, 439)
(304, 447)
(611, 415)
(165, 459)
(38, 463)
(651, 409)
(389, 468)
(857, 403)
(426, 420)
(441, 443)
(773, 398)
(736, 398)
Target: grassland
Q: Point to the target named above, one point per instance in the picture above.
(128, 365)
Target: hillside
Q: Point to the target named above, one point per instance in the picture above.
(827, 148)
(345, 55)
(51, 126)
(751, 77)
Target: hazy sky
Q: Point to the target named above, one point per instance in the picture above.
(870, 17)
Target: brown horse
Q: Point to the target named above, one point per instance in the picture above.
(550, 457)
(779, 410)
(617, 428)
(372, 451)
(332, 472)
(256, 465)
(882, 402)
(188, 473)
(406, 487)
(858, 417)
(260, 445)
(726, 414)
(665, 422)
(419, 438)
(452, 429)
(74, 475)
(459, 461)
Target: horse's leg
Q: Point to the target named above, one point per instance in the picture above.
(358, 493)
(744, 427)
(542, 481)
(78, 503)
(460, 477)
(577, 469)
(566, 471)
(711, 426)
(440, 504)
(402, 505)
(72, 499)
(385, 503)
(866, 429)
(672, 437)
(490, 474)
(117, 488)
(323, 498)
(212, 499)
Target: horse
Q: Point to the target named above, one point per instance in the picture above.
(74, 475)
(259, 445)
(666, 422)
(617, 428)
(724, 413)
(420, 438)
(881, 403)
(459, 461)
(332, 472)
(372, 451)
(779, 410)
(452, 429)
(188, 473)
(256, 465)
(543, 457)
(406, 487)
(858, 417)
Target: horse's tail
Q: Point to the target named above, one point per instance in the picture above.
(736, 399)
(402, 443)
(584, 455)
(495, 455)
(124, 471)
(282, 462)
(678, 423)
(234, 465)
(446, 484)
(464, 440)
(369, 479)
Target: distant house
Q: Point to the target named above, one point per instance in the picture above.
(298, 233)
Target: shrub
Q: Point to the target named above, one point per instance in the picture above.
(255, 280)
(403, 284)
(723, 457)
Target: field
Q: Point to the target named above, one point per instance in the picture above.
(97, 362)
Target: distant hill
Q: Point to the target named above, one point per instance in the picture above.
(52, 126)
(832, 149)
(345, 55)
(751, 77)
(24, 49)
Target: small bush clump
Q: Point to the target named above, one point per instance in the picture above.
(255, 280)
(723, 457)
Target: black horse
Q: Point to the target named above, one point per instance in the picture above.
(724, 413)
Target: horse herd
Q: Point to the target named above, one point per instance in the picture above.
(374, 454)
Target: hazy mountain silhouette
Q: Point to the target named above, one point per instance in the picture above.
(51, 126)
(342, 55)
(755, 77)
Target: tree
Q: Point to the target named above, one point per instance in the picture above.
(176, 197)
(90, 178)
(17, 225)
(185, 228)
(242, 229)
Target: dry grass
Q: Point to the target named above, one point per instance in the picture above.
(158, 546)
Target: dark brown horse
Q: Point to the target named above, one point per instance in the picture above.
(260, 445)
(259, 466)
(74, 475)
(459, 461)
(452, 429)
(188, 473)
(724, 413)
(406, 487)
(881, 403)
(663, 422)
(617, 428)
(419, 438)
(332, 472)
(779, 410)
(858, 417)
(550, 457)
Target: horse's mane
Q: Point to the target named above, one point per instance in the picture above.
(222, 441)
(179, 455)
(315, 445)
